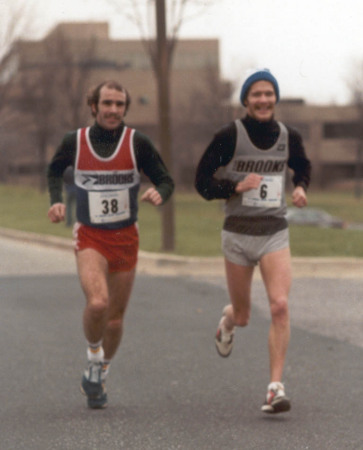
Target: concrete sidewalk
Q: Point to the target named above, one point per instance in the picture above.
(210, 267)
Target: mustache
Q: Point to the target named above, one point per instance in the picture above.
(113, 116)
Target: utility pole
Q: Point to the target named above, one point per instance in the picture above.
(163, 82)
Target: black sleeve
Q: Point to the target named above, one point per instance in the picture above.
(149, 161)
(64, 157)
(298, 161)
(218, 153)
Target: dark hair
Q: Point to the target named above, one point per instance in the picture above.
(93, 96)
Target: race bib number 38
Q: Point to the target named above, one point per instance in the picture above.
(108, 207)
(267, 195)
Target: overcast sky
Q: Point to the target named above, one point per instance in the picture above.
(311, 46)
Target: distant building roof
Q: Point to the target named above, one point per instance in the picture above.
(81, 30)
(292, 101)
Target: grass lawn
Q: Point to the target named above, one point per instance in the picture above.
(198, 223)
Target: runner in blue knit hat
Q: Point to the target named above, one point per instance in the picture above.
(259, 75)
(247, 163)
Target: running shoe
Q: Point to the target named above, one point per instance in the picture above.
(276, 400)
(224, 338)
(93, 387)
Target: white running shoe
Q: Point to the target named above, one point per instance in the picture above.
(224, 338)
(276, 400)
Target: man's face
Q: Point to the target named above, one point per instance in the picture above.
(260, 101)
(111, 108)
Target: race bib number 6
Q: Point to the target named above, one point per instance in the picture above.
(109, 207)
(267, 195)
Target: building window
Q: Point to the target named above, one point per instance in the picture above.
(342, 130)
(143, 100)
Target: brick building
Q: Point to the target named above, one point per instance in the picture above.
(57, 72)
(75, 56)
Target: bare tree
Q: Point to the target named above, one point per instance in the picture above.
(38, 100)
(53, 92)
(143, 15)
(74, 69)
(15, 23)
(355, 85)
(208, 106)
(167, 21)
(197, 119)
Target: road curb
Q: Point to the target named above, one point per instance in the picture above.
(169, 265)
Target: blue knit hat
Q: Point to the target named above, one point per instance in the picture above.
(259, 75)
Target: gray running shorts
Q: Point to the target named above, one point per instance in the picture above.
(247, 250)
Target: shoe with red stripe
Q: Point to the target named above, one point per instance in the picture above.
(224, 338)
(276, 399)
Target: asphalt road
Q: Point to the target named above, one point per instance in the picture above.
(168, 388)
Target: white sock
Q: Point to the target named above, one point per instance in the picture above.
(95, 352)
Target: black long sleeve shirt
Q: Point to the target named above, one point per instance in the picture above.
(263, 135)
(220, 152)
(104, 143)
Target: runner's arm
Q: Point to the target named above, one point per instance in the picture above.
(150, 162)
(218, 153)
(298, 161)
(64, 157)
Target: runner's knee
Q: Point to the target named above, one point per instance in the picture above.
(279, 308)
(98, 307)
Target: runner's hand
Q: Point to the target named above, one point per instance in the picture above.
(57, 212)
(299, 197)
(152, 196)
(252, 181)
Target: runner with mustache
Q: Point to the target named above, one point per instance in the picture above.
(107, 159)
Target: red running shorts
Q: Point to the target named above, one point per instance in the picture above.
(119, 247)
